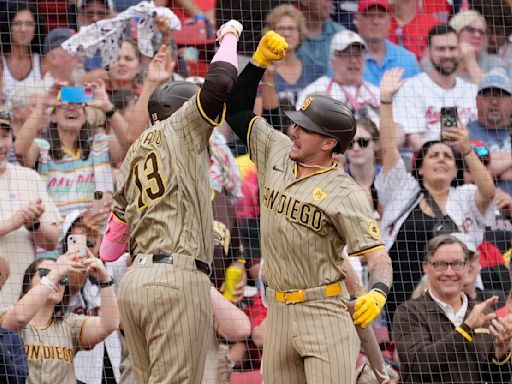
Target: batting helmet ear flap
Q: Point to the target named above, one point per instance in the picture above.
(168, 98)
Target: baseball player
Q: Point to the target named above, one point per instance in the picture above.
(163, 203)
(310, 209)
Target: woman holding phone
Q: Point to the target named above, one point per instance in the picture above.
(430, 200)
(69, 145)
(52, 337)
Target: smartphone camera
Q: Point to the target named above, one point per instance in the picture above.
(449, 119)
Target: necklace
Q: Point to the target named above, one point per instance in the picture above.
(313, 166)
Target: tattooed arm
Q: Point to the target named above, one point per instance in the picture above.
(379, 266)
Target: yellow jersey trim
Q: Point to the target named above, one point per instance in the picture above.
(365, 251)
(249, 130)
(203, 114)
(296, 167)
(118, 218)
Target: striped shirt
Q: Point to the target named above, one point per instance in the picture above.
(71, 181)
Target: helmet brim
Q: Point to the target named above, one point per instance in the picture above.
(305, 122)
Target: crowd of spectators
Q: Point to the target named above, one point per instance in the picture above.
(442, 195)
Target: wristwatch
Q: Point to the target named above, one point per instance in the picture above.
(107, 284)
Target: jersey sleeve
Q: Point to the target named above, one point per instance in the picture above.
(192, 125)
(356, 225)
(261, 139)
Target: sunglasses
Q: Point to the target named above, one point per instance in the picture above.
(45, 271)
(363, 142)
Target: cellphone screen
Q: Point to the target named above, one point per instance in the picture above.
(75, 95)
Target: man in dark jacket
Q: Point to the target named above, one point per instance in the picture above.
(443, 337)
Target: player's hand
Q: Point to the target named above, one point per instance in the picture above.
(232, 26)
(368, 307)
(272, 47)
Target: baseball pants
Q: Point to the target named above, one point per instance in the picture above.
(168, 320)
(313, 342)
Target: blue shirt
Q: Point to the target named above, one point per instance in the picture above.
(310, 73)
(317, 50)
(396, 56)
(498, 140)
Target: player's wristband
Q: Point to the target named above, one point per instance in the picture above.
(381, 288)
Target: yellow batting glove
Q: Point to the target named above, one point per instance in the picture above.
(368, 307)
(272, 47)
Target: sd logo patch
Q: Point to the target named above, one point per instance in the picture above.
(318, 194)
(374, 230)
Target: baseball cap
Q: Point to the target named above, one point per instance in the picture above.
(108, 3)
(363, 5)
(55, 38)
(344, 39)
(496, 78)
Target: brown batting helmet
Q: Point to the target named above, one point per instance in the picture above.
(322, 114)
(168, 98)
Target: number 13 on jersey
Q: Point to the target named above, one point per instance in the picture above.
(150, 183)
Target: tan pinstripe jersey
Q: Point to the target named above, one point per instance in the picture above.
(305, 223)
(51, 350)
(163, 190)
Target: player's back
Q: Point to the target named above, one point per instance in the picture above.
(163, 190)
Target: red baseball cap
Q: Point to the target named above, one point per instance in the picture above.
(363, 5)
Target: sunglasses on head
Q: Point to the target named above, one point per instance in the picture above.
(45, 271)
(363, 142)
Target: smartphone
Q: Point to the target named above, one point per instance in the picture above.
(75, 95)
(78, 243)
(98, 202)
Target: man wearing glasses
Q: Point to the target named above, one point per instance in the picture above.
(444, 337)
(494, 105)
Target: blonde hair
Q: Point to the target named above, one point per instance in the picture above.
(291, 11)
(465, 18)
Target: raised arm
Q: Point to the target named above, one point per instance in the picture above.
(25, 148)
(29, 305)
(389, 86)
(159, 71)
(483, 179)
(97, 328)
(240, 103)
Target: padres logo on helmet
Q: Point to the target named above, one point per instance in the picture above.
(322, 114)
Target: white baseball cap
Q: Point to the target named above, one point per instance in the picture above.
(344, 39)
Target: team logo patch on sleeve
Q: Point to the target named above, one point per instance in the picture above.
(373, 230)
(318, 194)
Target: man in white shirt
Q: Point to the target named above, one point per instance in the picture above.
(28, 217)
(417, 106)
(347, 84)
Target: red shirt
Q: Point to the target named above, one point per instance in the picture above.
(413, 35)
(440, 9)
